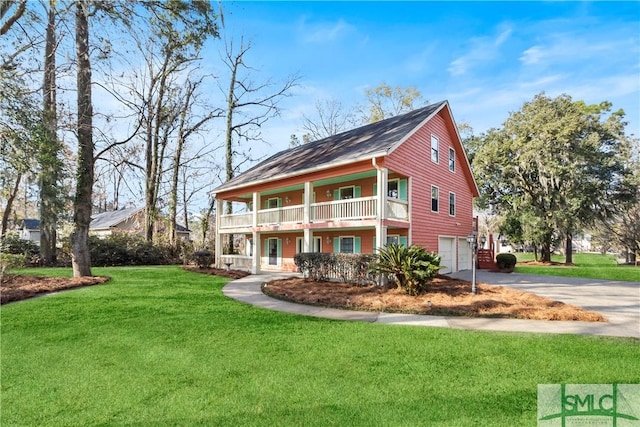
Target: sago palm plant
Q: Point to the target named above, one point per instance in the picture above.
(410, 267)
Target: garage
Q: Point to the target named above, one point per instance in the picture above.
(447, 251)
(464, 254)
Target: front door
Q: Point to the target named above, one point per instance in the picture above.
(273, 251)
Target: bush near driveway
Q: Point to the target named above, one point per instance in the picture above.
(410, 267)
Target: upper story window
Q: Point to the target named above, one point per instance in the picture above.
(393, 189)
(452, 204)
(452, 160)
(346, 193)
(272, 203)
(435, 192)
(435, 149)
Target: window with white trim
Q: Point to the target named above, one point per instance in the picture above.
(317, 245)
(272, 203)
(435, 148)
(393, 188)
(347, 193)
(435, 192)
(452, 204)
(452, 160)
(346, 245)
(393, 238)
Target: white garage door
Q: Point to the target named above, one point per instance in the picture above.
(447, 251)
(464, 255)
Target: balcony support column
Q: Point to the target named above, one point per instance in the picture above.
(256, 208)
(257, 245)
(381, 202)
(307, 238)
(218, 242)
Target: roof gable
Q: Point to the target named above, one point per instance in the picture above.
(113, 218)
(110, 219)
(374, 139)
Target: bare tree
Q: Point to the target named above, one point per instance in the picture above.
(331, 119)
(249, 106)
(385, 101)
(19, 10)
(188, 125)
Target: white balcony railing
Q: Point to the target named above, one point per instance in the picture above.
(281, 215)
(337, 210)
(236, 220)
(360, 208)
(397, 209)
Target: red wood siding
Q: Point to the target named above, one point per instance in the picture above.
(413, 158)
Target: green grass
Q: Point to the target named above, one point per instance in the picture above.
(587, 265)
(161, 346)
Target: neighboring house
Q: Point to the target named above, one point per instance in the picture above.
(130, 220)
(405, 179)
(28, 229)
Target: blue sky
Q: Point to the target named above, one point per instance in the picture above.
(486, 58)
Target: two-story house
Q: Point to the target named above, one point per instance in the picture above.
(405, 179)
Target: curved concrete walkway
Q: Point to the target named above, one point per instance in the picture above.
(618, 301)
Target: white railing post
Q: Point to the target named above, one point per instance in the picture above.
(307, 237)
(218, 242)
(382, 184)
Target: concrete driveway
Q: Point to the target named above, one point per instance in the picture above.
(618, 301)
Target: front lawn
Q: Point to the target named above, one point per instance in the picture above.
(162, 346)
(587, 265)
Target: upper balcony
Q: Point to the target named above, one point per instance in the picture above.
(360, 208)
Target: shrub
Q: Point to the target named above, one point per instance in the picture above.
(410, 267)
(506, 261)
(203, 258)
(11, 243)
(9, 261)
(351, 268)
(127, 249)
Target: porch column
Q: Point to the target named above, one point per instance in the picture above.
(307, 244)
(257, 245)
(256, 208)
(381, 202)
(218, 242)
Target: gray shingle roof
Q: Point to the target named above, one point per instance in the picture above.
(113, 218)
(374, 139)
(30, 224)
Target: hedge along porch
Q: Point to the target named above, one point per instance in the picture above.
(404, 179)
(278, 249)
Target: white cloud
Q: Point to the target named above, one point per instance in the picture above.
(573, 47)
(483, 49)
(323, 32)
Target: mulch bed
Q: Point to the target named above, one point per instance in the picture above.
(17, 287)
(445, 297)
(232, 274)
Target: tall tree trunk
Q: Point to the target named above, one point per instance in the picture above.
(9, 205)
(49, 148)
(204, 222)
(568, 249)
(546, 251)
(81, 260)
(231, 105)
